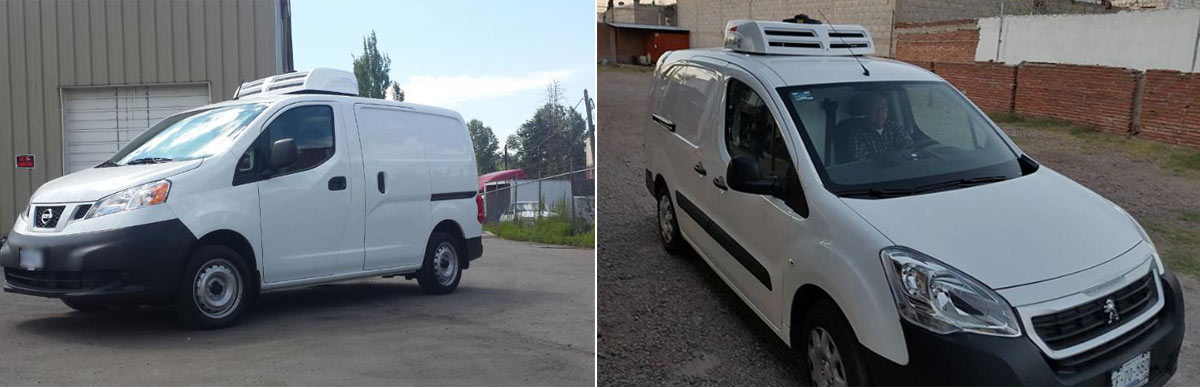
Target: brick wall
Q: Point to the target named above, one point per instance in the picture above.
(1171, 107)
(1088, 95)
(989, 85)
(923, 11)
(941, 45)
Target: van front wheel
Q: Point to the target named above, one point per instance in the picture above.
(442, 268)
(829, 353)
(214, 289)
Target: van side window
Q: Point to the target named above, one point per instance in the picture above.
(312, 128)
(750, 130)
(688, 90)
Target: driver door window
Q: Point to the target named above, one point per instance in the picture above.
(751, 130)
(312, 129)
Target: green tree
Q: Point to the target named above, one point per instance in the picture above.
(371, 69)
(487, 146)
(395, 91)
(552, 141)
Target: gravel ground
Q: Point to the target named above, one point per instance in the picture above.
(667, 320)
(523, 315)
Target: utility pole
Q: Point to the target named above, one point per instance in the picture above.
(588, 106)
(506, 155)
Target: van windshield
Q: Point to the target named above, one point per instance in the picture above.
(188, 136)
(882, 139)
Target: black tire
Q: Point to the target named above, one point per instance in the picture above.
(85, 307)
(671, 239)
(825, 316)
(442, 268)
(218, 268)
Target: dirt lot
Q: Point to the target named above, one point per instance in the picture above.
(523, 315)
(666, 320)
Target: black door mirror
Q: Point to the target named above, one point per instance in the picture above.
(283, 153)
(743, 175)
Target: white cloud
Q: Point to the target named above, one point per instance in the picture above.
(441, 90)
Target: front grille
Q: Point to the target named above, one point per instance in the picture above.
(47, 216)
(1081, 323)
(58, 280)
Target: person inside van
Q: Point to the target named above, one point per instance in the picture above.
(873, 132)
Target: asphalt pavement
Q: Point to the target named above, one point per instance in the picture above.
(523, 315)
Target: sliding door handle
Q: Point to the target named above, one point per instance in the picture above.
(699, 168)
(380, 181)
(664, 122)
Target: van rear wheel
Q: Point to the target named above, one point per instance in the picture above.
(215, 288)
(829, 353)
(442, 268)
(668, 224)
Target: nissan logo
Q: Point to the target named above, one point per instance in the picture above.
(46, 216)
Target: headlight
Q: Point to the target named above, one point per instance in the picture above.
(28, 210)
(943, 300)
(149, 194)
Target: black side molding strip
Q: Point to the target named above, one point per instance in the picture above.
(736, 250)
(448, 196)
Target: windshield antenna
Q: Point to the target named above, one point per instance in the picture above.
(865, 71)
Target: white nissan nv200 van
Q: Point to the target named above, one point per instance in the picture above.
(295, 182)
(887, 230)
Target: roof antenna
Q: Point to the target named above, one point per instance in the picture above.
(865, 71)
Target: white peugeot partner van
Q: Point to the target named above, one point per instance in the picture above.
(887, 230)
(295, 182)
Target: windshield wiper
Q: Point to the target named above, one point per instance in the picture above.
(875, 193)
(966, 182)
(107, 163)
(147, 161)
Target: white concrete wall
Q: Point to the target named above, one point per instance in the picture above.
(1165, 39)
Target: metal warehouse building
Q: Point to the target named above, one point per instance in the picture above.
(79, 79)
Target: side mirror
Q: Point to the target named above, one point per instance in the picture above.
(743, 175)
(283, 153)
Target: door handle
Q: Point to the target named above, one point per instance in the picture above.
(699, 167)
(663, 121)
(380, 181)
(337, 183)
(720, 183)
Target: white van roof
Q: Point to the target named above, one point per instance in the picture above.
(789, 70)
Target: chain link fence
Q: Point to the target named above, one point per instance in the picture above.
(567, 197)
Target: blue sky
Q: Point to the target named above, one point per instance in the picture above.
(489, 60)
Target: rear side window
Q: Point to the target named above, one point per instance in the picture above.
(750, 130)
(312, 129)
(686, 98)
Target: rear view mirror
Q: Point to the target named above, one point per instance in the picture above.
(743, 175)
(283, 153)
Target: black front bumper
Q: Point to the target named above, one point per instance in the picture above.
(134, 265)
(979, 360)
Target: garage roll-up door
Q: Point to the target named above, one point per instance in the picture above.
(99, 121)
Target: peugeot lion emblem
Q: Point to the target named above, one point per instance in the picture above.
(46, 216)
(1110, 308)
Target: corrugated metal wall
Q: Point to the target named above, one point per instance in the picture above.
(48, 45)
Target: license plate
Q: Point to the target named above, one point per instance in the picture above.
(1133, 373)
(32, 260)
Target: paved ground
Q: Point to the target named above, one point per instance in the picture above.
(667, 320)
(524, 315)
